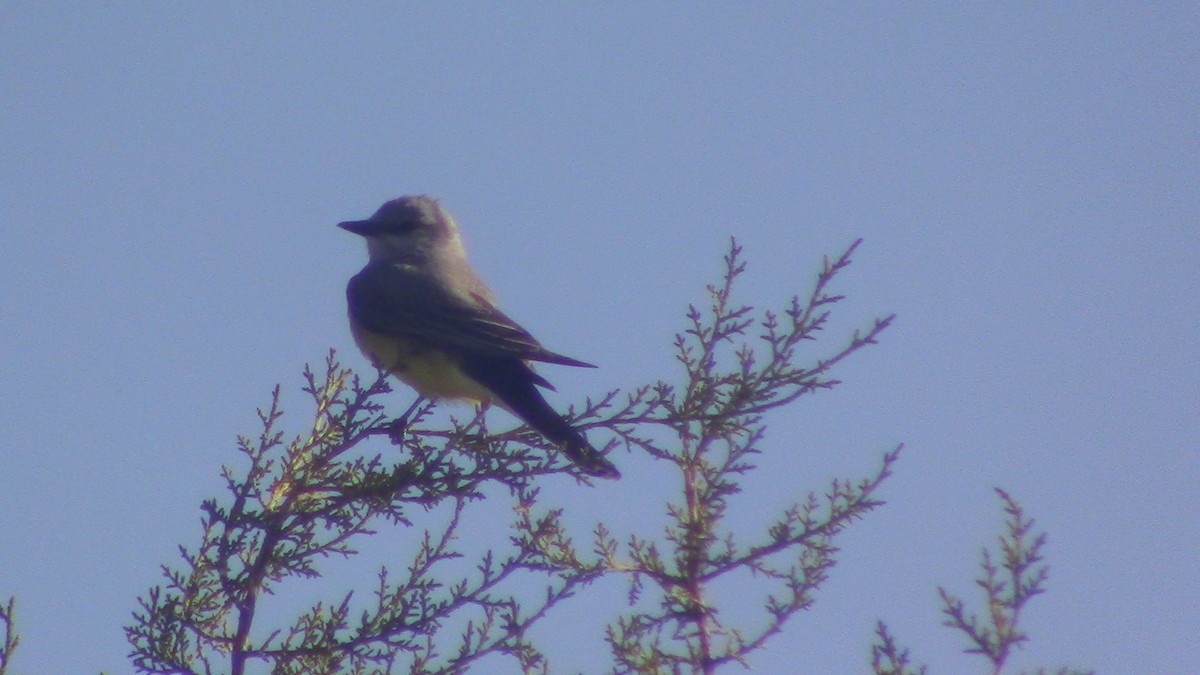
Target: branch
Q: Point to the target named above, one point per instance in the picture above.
(11, 639)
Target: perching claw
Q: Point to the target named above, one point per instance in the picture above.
(399, 425)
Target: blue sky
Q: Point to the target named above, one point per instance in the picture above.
(1025, 177)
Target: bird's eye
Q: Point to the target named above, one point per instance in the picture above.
(407, 226)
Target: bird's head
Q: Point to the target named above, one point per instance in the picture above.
(406, 227)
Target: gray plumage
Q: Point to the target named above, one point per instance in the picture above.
(418, 310)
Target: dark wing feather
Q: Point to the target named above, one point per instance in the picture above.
(397, 300)
(492, 349)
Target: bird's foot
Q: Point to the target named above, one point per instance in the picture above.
(400, 425)
(397, 428)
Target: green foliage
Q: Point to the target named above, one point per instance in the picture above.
(296, 506)
(311, 499)
(888, 658)
(716, 420)
(1023, 578)
(1007, 588)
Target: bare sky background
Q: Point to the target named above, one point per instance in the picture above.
(1025, 177)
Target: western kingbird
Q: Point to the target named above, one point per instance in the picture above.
(418, 311)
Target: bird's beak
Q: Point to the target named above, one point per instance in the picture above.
(363, 228)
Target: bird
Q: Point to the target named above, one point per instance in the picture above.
(419, 311)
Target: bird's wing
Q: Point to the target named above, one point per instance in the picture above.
(400, 301)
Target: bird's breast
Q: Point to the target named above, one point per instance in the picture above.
(432, 372)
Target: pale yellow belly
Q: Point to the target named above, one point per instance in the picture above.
(431, 372)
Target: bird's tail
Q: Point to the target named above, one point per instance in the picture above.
(538, 414)
(515, 385)
(589, 460)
